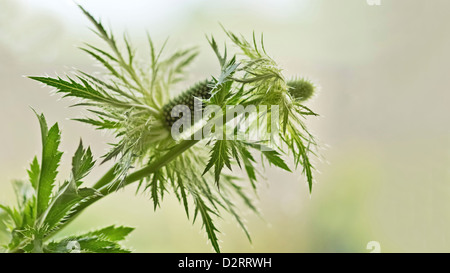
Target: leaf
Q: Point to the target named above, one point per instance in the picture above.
(5, 212)
(96, 23)
(305, 162)
(82, 162)
(231, 209)
(183, 195)
(100, 124)
(67, 198)
(156, 189)
(220, 156)
(33, 172)
(69, 195)
(49, 164)
(207, 222)
(274, 158)
(109, 67)
(248, 202)
(85, 245)
(25, 212)
(112, 233)
(13, 214)
(103, 62)
(43, 126)
(112, 87)
(28, 213)
(115, 151)
(251, 50)
(72, 89)
(24, 192)
(4, 231)
(213, 44)
(231, 206)
(248, 163)
(104, 240)
(271, 155)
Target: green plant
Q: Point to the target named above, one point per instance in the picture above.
(132, 100)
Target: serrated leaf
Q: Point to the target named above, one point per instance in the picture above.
(207, 222)
(104, 240)
(183, 195)
(215, 47)
(67, 198)
(99, 124)
(220, 157)
(33, 172)
(154, 189)
(248, 160)
(71, 88)
(302, 157)
(80, 244)
(96, 23)
(103, 62)
(271, 155)
(28, 213)
(112, 233)
(274, 158)
(231, 209)
(82, 162)
(69, 195)
(49, 164)
(43, 125)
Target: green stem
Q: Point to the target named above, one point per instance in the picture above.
(106, 179)
(105, 188)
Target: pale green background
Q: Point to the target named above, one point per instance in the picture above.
(384, 103)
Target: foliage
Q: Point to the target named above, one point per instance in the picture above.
(43, 208)
(132, 100)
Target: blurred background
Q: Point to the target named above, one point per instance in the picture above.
(384, 80)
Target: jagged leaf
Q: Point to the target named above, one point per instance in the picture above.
(112, 233)
(220, 157)
(67, 198)
(33, 172)
(82, 162)
(82, 244)
(69, 195)
(49, 164)
(271, 155)
(104, 240)
(207, 222)
(71, 88)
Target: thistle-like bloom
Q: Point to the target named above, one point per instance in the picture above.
(133, 100)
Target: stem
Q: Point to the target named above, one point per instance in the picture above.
(104, 187)
(107, 178)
